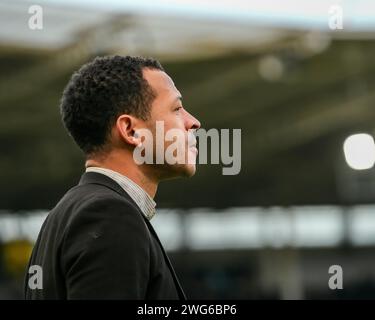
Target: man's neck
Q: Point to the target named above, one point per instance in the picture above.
(128, 169)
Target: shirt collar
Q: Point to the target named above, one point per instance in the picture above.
(140, 196)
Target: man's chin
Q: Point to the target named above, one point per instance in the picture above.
(190, 170)
(179, 171)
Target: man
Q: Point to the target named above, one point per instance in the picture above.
(98, 243)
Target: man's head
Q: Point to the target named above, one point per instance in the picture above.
(109, 99)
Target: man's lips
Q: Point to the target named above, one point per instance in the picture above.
(193, 148)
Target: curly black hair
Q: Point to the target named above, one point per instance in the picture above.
(99, 92)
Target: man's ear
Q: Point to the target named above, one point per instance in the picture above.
(126, 126)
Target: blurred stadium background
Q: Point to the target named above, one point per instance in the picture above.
(273, 69)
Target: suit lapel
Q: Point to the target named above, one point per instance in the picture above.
(177, 283)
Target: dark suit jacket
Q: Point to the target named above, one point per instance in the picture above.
(97, 244)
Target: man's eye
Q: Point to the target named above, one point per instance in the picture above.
(178, 108)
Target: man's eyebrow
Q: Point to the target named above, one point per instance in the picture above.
(177, 99)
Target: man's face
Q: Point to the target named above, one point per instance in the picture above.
(168, 111)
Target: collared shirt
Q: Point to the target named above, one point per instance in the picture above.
(140, 196)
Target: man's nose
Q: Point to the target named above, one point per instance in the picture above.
(192, 122)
